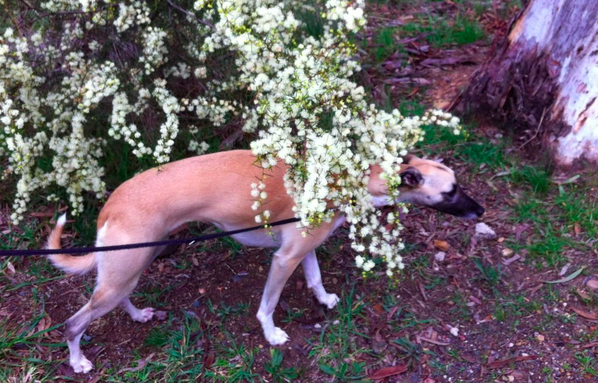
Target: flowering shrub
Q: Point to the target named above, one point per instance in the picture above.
(193, 65)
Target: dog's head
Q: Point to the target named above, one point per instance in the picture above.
(429, 183)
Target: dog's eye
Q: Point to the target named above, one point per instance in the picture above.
(451, 193)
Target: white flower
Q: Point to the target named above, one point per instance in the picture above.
(359, 261)
(368, 265)
(390, 217)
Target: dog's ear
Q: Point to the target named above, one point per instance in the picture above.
(407, 158)
(411, 177)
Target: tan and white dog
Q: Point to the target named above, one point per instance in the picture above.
(216, 188)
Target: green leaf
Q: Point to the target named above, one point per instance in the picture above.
(567, 278)
(327, 369)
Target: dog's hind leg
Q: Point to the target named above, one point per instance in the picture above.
(146, 314)
(103, 300)
(314, 280)
(116, 280)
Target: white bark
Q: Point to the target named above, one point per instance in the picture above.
(568, 30)
(544, 78)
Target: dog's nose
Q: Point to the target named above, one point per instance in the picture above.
(480, 211)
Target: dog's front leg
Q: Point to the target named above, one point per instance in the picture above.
(284, 263)
(314, 280)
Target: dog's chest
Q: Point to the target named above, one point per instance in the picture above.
(263, 238)
(339, 222)
(258, 238)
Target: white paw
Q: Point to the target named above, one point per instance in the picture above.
(329, 300)
(143, 315)
(82, 365)
(277, 337)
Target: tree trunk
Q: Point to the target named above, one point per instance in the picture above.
(543, 76)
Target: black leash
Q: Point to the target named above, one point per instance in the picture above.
(85, 250)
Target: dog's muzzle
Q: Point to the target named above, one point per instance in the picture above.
(462, 206)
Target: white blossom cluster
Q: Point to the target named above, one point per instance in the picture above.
(154, 49)
(317, 120)
(69, 5)
(136, 13)
(352, 16)
(198, 148)
(170, 128)
(116, 65)
(118, 122)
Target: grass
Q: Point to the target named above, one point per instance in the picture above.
(223, 311)
(21, 237)
(23, 344)
(277, 371)
(511, 307)
(458, 306)
(535, 178)
(180, 358)
(386, 45)
(587, 361)
(483, 154)
(180, 354)
(489, 273)
(237, 366)
(440, 32)
(210, 347)
(338, 351)
(311, 18)
(411, 352)
(561, 223)
(577, 209)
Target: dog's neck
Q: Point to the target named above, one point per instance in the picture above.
(379, 190)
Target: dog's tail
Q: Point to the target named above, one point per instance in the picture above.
(68, 263)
